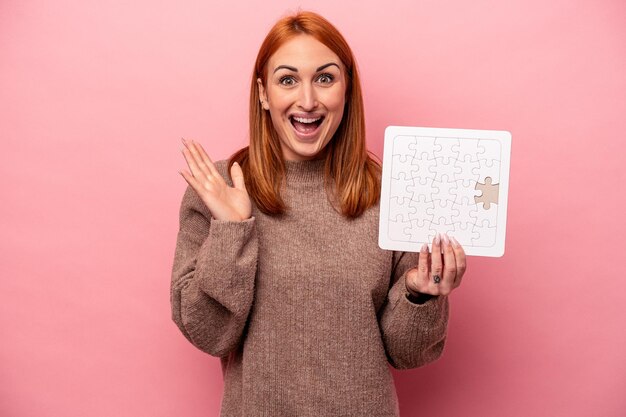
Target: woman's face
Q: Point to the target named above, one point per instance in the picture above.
(305, 95)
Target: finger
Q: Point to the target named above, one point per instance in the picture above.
(449, 266)
(199, 161)
(193, 166)
(436, 264)
(461, 261)
(237, 175)
(207, 160)
(418, 281)
(190, 180)
(422, 264)
(191, 159)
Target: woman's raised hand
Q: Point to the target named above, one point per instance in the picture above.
(438, 274)
(224, 202)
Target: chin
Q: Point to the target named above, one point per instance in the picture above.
(305, 151)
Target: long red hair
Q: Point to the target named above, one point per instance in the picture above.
(350, 171)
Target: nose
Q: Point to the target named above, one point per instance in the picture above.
(308, 97)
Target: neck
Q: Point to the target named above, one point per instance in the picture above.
(307, 171)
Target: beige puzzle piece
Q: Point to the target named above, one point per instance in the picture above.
(489, 195)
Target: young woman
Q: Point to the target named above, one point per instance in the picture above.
(277, 269)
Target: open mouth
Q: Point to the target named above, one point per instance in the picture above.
(306, 125)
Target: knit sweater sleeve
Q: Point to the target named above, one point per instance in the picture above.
(413, 334)
(213, 274)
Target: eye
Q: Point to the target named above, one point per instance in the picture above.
(287, 80)
(325, 78)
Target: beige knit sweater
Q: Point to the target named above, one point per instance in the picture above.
(305, 311)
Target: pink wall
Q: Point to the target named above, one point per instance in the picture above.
(95, 95)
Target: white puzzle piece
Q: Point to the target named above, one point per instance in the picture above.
(439, 180)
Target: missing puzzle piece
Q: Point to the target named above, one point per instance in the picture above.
(489, 193)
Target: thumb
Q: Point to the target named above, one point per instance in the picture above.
(237, 175)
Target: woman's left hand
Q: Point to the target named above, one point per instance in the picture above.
(438, 274)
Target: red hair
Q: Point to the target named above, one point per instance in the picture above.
(349, 169)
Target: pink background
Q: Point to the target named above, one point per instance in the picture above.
(95, 95)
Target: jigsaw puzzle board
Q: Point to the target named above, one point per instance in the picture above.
(452, 181)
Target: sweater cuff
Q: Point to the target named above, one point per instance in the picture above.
(431, 311)
(419, 298)
(232, 229)
(227, 252)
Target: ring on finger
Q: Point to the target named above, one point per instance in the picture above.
(437, 279)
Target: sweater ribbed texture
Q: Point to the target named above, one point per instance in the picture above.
(304, 310)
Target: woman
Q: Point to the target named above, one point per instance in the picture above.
(277, 269)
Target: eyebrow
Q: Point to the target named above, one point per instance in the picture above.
(296, 70)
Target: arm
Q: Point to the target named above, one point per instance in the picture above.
(413, 334)
(213, 276)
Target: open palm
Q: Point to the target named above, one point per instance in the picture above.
(223, 201)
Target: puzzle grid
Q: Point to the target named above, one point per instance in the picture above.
(444, 184)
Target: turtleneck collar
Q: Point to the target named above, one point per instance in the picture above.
(305, 172)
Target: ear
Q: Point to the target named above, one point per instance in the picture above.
(262, 94)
